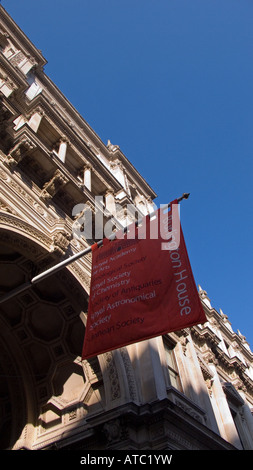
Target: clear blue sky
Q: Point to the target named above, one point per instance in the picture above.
(171, 83)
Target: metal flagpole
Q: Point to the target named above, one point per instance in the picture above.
(54, 269)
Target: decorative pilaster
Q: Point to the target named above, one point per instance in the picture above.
(148, 369)
(247, 418)
(221, 409)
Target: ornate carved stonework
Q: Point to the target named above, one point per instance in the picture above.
(114, 431)
(113, 376)
(61, 241)
(192, 389)
(130, 374)
(51, 187)
(21, 149)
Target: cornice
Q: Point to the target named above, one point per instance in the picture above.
(223, 361)
(74, 122)
(26, 132)
(232, 394)
(78, 123)
(133, 173)
(16, 76)
(20, 38)
(205, 333)
(75, 139)
(228, 334)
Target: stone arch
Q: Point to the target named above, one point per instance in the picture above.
(40, 341)
(30, 241)
(15, 412)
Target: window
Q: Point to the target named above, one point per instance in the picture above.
(172, 365)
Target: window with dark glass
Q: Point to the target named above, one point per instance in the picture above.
(172, 364)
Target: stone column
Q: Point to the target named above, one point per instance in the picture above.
(19, 122)
(35, 120)
(87, 177)
(110, 202)
(63, 149)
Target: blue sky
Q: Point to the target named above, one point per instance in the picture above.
(171, 83)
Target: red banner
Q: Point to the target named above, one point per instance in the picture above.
(139, 291)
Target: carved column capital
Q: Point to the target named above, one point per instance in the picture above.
(53, 185)
(61, 240)
(22, 148)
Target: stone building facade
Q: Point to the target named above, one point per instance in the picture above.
(191, 389)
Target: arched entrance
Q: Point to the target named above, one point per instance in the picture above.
(41, 335)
